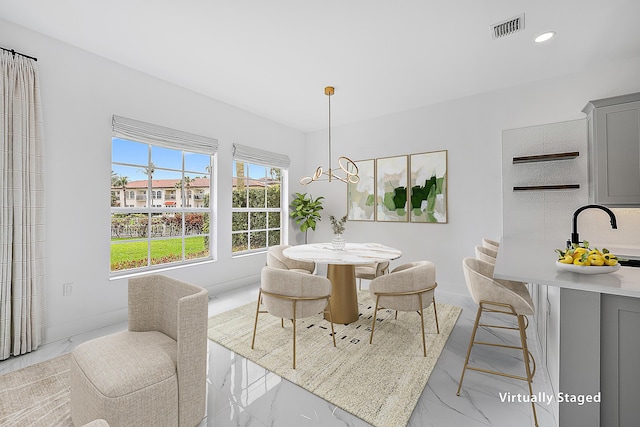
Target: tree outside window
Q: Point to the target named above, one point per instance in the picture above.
(256, 207)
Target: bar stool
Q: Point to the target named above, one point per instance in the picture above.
(503, 297)
(486, 254)
(491, 244)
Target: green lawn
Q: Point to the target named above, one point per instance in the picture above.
(126, 255)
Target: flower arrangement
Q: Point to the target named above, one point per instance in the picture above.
(338, 224)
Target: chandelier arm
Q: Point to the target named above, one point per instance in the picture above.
(344, 163)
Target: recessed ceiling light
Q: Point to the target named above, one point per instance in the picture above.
(544, 36)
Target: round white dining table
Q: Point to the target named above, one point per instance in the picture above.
(341, 271)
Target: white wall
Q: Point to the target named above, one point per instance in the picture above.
(471, 130)
(80, 93)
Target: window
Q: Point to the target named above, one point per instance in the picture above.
(257, 199)
(147, 230)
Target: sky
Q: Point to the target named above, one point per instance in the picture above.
(167, 162)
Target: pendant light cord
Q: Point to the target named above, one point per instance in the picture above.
(330, 173)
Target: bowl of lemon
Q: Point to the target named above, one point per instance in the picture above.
(582, 259)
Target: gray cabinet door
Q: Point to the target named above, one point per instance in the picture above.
(616, 154)
(620, 368)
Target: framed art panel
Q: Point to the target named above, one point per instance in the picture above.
(361, 204)
(428, 187)
(391, 189)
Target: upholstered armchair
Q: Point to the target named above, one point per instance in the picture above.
(498, 297)
(154, 374)
(409, 287)
(276, 259)
(371, 271)
(292, 295)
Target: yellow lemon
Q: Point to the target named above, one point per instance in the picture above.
(567, 259)
(610, 259)
(596, 259)
(581, 260)
(577, 252)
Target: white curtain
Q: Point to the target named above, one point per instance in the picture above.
(21, 207)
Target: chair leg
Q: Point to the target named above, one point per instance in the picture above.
(294, 334)
(424, 344)
(525, 353)
(333, 333)
(360, 283)
(255, 324)
(473, 337)
(375, 314)
(435, 313)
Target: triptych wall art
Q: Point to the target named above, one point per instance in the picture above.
(400, 189)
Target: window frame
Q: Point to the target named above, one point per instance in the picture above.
(163, 138)
(249, 210)
(150, 210)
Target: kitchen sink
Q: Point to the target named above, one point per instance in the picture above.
(629, 262)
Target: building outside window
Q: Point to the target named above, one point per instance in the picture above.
(153, 224)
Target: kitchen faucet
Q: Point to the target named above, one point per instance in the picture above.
(574, 234)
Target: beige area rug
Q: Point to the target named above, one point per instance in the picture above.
(37, 395)
(379, 383)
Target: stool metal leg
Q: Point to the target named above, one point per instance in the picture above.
(473, 337)
(525, 353)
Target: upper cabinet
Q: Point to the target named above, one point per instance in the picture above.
(614, 150)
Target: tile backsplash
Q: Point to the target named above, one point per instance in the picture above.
(594, 226)
(548, 214)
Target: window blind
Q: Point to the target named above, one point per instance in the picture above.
(136, 130)
(262, 157)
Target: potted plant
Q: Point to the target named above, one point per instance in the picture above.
(306, 212)
(338, 228)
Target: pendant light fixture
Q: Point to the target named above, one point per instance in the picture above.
(345, 164)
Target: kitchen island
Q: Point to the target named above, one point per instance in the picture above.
(594, 334)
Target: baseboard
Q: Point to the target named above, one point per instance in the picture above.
(86, 325)
(220, 288)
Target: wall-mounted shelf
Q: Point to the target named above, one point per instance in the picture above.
(546, 157)
(547, 187)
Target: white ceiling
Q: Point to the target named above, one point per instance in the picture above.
(274, 57)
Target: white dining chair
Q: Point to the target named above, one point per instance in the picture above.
(276, 259)
(292, 295)
(371, 271)
(409, 287)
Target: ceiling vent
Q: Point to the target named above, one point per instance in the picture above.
(508, 27)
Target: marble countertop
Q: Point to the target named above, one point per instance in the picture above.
(533, 261)
(353, 253)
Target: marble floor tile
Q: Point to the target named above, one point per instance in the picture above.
(241, 393)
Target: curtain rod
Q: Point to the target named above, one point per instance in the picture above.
(14, 53)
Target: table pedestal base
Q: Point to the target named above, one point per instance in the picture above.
(344, 298)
